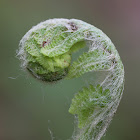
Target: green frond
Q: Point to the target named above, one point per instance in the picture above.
(87, 101)
(90, 61)
(62, 43)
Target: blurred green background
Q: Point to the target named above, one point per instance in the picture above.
(35, 111)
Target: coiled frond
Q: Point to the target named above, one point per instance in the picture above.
(46, 52)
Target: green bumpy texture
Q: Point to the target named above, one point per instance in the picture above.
(45, 62)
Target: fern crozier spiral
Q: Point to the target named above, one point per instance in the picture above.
(46, 52)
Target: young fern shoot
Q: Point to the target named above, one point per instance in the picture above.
(46, 52)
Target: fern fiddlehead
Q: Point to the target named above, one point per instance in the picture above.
(46, 52)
